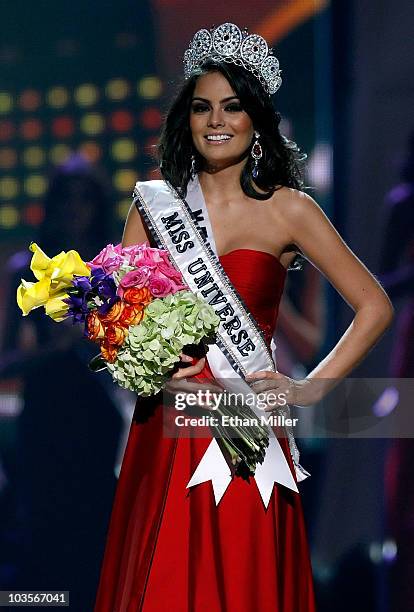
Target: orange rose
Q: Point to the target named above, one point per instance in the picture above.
(115, 334)
(113, 313)
(131, 315)
(137, 296)
(96, 330)
(108, 351)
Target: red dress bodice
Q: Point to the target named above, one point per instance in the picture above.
(259, 278)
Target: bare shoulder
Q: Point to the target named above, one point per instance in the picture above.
(292, 202)
(296, 210)
(135, 229)
(307, 226)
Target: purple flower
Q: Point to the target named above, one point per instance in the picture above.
(82, 283)
(106, 306)
(96, 292)
(78, 307)
(103, 285)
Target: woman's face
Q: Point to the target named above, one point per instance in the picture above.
(222, 131)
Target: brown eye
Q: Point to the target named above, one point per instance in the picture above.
(199, 108)
(234, 108)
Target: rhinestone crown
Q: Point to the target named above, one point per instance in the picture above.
(227, 43)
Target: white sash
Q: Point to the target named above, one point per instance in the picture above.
(240, 345)
(197, 204)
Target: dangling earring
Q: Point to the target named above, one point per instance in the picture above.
(257, 154)
(193, 167)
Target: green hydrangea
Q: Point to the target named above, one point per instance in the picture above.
(153, 347)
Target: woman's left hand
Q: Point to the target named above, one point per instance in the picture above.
(278, 386)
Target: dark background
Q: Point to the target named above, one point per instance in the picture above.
(346, 99)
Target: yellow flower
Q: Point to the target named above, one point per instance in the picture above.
(54, 277)
(56, 308)
(32, 295)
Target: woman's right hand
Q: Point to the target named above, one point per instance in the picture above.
(180, 383)
(189, 370)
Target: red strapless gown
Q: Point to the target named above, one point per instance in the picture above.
(172, 549)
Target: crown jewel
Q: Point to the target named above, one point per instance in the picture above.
(227, 43)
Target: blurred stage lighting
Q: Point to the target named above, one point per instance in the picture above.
(86, 94)
(57, 97)
(122, 208)
(123, 149)
(117, 89)
(121, 121)
(151, 118)
(92, 124)
(63, 127)
(386, 403)
(101, 121)
(31, 129)
(9, 217)
(33, 214)
(59, 153)
(375, 552)
(29, 100)
(383, 551)
(35, 185)
(150, 87)
(33, 156)
(8, 158)
(7, 130)
(124, 180)
(6, 102)
(322, 571)
(320, 167)
(91, 150)
(389, 550)
(9, 188)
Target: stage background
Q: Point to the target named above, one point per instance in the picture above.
(96, 78)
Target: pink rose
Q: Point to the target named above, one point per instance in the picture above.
(134, 252)
(153, 255)
(160, 285)
(109, 259)
(178, 287)
(135, 278)
(165, 256)
(145, 257)
(168, 270)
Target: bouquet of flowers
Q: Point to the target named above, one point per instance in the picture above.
(134, 303)
(131, 301)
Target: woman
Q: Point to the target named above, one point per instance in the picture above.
(177, 541)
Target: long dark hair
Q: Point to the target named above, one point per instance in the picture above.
(281, 161)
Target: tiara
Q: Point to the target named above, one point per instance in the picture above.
(227, 43)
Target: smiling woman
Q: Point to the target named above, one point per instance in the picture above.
(188, 533)
(220, 95)
(222, 131)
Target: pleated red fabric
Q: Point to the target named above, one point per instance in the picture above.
(171, 548)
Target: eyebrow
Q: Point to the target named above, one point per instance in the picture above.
(223, 100)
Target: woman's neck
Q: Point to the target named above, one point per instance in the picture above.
(222, 183)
